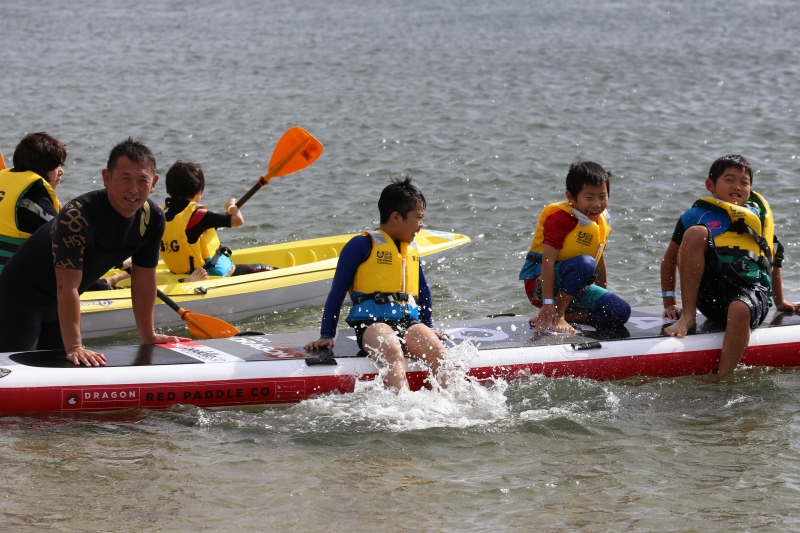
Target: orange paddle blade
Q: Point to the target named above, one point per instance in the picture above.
(2, 163)
(208, 327)
(295, 150)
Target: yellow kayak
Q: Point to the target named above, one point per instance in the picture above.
(303, 277)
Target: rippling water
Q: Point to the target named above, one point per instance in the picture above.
(486, 105)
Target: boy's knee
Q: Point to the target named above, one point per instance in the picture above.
(588, 262)
(739, 314)
(695, 236)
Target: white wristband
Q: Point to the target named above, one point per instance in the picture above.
(548, 301)
(668, 294)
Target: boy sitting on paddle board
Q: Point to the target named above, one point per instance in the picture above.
(728, 258)
(392, 308)
(190, 239)
(565, 269)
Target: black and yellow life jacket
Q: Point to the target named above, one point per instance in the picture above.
(747, 244)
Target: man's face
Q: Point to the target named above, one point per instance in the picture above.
(733, 186)
(129, 186)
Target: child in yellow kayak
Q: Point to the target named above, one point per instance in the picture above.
(565, 270)
(190, 240)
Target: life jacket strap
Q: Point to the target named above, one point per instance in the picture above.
(534, 258)
(740, 227)
(381, 297)
(211, 263)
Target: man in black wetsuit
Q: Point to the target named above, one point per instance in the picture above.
(41, 284)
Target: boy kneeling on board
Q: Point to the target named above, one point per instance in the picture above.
(565, 270)
(392, 309)
(729, 261)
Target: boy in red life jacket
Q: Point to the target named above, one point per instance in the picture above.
(392, 309)
(729, 261)
(190, 239)
(565, 269)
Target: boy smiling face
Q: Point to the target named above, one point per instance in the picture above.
(733, 186)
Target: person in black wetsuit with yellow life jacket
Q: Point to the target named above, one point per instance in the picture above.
(391, 300)
(27, 190)
(190, 244)
(730, 261)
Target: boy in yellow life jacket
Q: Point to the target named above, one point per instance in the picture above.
(565, 269)
(28, 190)
(391, 300)
(728, 258)
(190, 240)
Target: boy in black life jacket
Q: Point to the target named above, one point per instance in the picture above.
(190, 239)
(391, 298)
(729, 261)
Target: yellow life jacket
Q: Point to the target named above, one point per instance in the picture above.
(12, 186)
(386, 284)
(587, 238)
(747, 243)
(180, 256)
(388, 270)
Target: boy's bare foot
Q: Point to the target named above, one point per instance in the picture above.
(563, 327)
(681, 327)
(198, 275)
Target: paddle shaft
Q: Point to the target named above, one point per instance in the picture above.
(170, 302)
(273, 171)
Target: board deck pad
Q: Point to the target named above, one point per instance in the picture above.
(488, 333)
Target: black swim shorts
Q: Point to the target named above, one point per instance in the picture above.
(720, 285)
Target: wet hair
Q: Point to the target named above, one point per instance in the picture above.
(133, 150)
(40, 153)
(399, 196)
(185, 180)
(587, 173)
(725, 162)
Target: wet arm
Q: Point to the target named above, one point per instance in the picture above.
(669, 279)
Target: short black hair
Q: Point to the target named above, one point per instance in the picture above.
(725, 162)
(40, 153)
(399, 196)
(133, 150)
(587, 173)
(185, 180)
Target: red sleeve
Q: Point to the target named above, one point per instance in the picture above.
(556, 228)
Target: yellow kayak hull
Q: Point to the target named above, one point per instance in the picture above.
(303, 277)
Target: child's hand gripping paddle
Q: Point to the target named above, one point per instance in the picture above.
(296, 149)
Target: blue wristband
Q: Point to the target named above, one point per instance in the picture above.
(668, 294)
(548, 301)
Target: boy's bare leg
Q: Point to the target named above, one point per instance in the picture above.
(691, 263)
(737, 336)
(382, 344)
(422, 343)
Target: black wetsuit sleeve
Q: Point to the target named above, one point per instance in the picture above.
(69, 235)
(34, 208)
(148, 254)
(779, 257)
